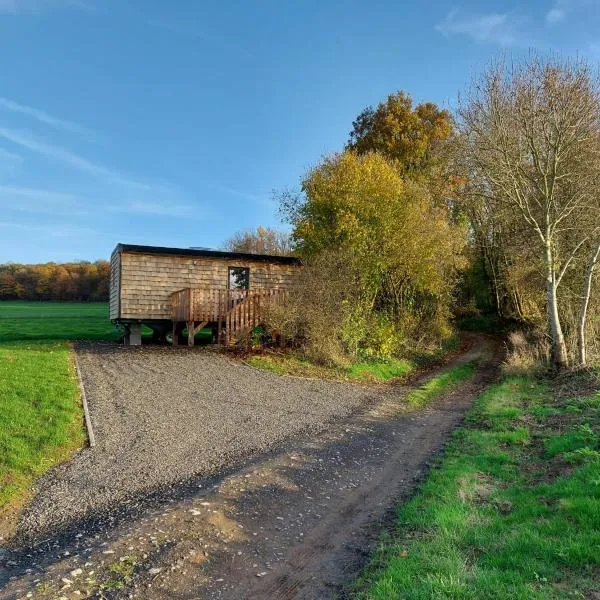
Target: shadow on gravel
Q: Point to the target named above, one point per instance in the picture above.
(283, 481)
(79, 533)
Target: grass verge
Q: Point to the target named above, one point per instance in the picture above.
(41, 421)
(285, 363)
(513, 509)
(439, 384)
(365, 371)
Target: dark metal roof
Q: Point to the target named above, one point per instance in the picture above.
(243, 256)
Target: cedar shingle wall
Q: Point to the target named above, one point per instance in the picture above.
(115, 274)
(147, 280)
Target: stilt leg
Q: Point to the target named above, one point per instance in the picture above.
(191, 331)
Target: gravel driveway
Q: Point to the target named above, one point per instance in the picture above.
(164, 415)
(297, 522)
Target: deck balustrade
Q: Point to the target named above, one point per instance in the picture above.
(235, 312)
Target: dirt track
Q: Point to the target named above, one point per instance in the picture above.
(296, 523)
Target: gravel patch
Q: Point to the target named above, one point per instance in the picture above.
(164, 415)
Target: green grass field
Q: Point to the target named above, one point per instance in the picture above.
(512, 511)
(21, 320)
(41, 421)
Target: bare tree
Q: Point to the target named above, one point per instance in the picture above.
(531, 134)
(262, 240)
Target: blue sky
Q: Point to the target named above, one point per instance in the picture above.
(171, 123)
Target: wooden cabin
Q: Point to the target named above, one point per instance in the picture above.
(172, 289)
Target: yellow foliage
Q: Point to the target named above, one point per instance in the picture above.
(396, 248)
(398, 235)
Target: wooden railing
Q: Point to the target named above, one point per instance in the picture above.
(203, 304)
(248, 313)
(236, 312)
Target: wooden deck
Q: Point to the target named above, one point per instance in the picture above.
(234, 313)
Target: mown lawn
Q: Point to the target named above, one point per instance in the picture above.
(20, 320)
(41, 420)
(511, 511)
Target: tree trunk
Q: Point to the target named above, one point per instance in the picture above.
(559, 348)
(518, 304)
(587, 290)
(490, 267)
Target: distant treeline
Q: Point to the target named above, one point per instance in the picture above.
(84, 281)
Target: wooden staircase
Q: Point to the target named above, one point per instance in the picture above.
(233, 313)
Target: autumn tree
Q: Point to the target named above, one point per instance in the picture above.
(530, 142)
(409, 136)
(400, 247)
(83, 281)
(8, 285)
(378, 233)
(262, 240)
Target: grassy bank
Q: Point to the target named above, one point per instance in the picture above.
(512, 511)
(365, 371)
(41, 421)
(291, 364)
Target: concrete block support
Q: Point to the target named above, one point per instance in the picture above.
(133, 335)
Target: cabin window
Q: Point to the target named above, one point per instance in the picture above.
(239, 278)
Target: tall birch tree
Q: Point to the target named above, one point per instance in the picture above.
(531, 138)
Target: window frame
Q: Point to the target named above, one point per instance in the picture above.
(229, 269)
